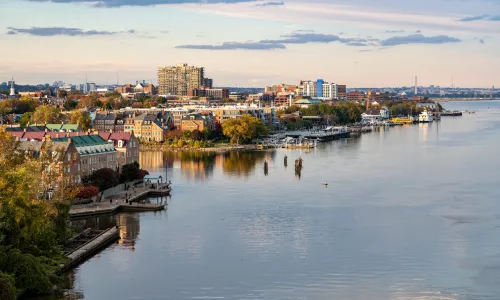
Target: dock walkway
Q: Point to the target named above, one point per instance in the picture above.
(123, 201)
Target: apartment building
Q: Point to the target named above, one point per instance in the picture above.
(198, 121)
(180, 79)
(95, 153)
(126, 145)
(148, 127)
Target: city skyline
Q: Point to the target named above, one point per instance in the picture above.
(359, 43)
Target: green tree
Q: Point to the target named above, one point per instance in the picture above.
(81, 117)
(7, 287)
(25, 119)
(31, 228)
(243, 129)
(48, 115)
(70, 104)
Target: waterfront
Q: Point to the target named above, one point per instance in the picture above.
(410, 212)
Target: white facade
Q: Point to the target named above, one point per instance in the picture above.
(310, 89)
(330, 90)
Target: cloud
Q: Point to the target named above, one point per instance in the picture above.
(120, 3)
(276, 3)
(481, 41)
(235, 46)
(479, 18)
(318, 38)
(418, 39)
(395, 31)
(306, 38)
(66, 31)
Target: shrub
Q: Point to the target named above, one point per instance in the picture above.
(180, 143)
(141, 173)
(7, 287)
(104, 179)
(88, 192)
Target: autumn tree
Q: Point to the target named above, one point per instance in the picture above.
(243, 129)
(47, 114)
(81, 117)
(31, 227)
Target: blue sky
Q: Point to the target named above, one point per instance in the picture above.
(362, 43)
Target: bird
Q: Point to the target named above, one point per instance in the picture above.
(325, 184)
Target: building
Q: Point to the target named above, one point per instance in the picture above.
(126, 145)
(105, 121)
(63, 127)
(148, 127)
(305, 103)
(342, 91)
(198, 121)
(70, 157)
(319, 88)
(95, 153)
(208, 83)
(235, 96)
(178, 80)
(329, 91)
(355, 96)
(12, 88)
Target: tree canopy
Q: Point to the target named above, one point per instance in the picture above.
(47, 114)
(31, 227)
(81, 117)
(243, 129)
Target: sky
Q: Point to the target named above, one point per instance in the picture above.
(360, 43)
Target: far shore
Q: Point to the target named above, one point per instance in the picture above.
(221, 148)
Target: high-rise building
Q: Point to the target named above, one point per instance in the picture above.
(319, 88)
(178, 80)
(208, 83)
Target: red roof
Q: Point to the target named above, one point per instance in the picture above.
(31, 135)
(115, 137)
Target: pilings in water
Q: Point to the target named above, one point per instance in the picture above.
(298, 167)
(286, 161)
(266, 170)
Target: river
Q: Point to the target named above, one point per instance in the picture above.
(409, 212)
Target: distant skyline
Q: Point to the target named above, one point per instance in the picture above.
(360, 43)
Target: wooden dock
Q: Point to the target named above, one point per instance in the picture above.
(88, 249)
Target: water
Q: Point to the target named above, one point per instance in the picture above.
(409, 213)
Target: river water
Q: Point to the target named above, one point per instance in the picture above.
(409, 212)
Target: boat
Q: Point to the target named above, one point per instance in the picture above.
(425, 117)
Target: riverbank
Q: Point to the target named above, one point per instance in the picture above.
(219, 149)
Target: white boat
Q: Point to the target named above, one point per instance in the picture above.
(425, 117)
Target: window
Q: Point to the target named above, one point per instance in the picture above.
(69, 169)
(69, 156)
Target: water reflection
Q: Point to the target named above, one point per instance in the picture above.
(129, 229)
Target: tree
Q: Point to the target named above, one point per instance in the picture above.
(25, 119)
(104, 179)
(244, 128)
(70, 104)
(88, 192)
(80, 117)
(47, 114)
(7, 287)
(31, 228)
(129, 172)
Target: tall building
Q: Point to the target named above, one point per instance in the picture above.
(319, 88)
(208, 83)
(178, 80)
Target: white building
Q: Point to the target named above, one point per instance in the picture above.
(330, 90)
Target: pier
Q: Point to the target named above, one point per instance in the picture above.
(124, 201)
(90, 247)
